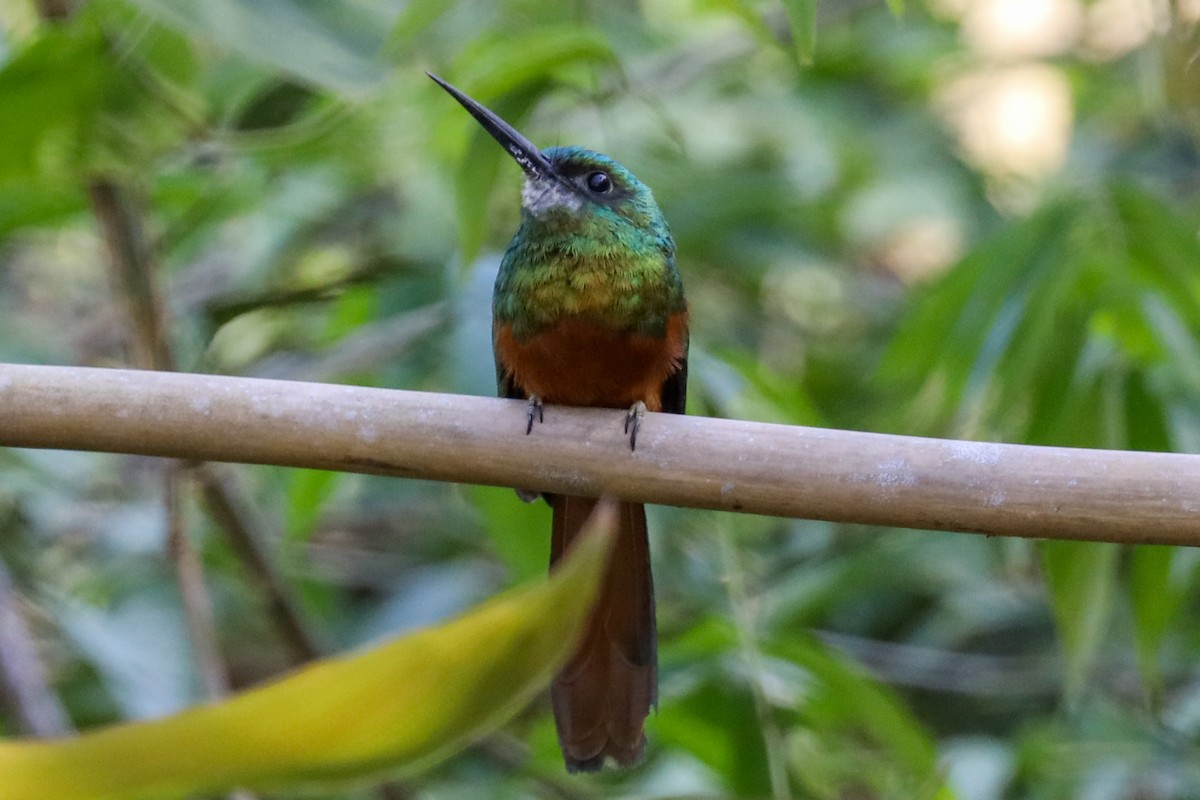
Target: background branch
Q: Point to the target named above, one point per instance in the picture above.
(134, 275)
(22, 679)
(1012, 490)
(232, 518)
(197, 604)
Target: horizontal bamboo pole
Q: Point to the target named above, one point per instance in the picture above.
(1010, 490)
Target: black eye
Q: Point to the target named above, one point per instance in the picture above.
(599, 182)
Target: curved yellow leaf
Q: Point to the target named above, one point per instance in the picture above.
(395, 709)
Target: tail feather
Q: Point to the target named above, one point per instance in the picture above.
(603, 694)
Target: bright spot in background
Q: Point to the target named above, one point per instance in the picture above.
(1012, 113)
(1102, 29)
(1010, 122)
(1008, 29)
(922, 249)
(1114, 27)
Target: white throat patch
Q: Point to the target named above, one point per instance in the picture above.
(543, 195)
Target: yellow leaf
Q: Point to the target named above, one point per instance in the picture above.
(395, 709)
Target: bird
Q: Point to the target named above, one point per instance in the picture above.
(589, 310)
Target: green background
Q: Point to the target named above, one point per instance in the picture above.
(966, 218)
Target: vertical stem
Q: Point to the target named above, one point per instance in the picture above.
(197, 605)
(134, 274)
(22, 679)
(233, 518)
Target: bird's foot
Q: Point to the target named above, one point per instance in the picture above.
(633, 422)
(534, 409)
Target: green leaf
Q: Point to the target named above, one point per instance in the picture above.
(749, 15)
(1008, 283)
(397, 709)
(1176, 340)
(417, 16)
(851, 698)
(896, 6)
(74, 106)
(498, 64)
(1163, 247)
(332, 43)
(307, 492)
(716, 723)
(1155, 599)
(53, 95)
(859, 733)
(32, 204)
(802, 16)
(1082, 579)
(517, 529)
(767, 396)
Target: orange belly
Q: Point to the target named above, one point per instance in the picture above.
(579, 363)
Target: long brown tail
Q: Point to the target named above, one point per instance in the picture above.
(602, 696)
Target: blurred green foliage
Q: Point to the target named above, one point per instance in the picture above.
(967, 218)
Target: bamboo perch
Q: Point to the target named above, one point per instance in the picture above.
(731, 465)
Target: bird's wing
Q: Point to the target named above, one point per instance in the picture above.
(506, 386)
(674, 388)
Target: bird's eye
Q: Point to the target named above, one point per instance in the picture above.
(599, 182)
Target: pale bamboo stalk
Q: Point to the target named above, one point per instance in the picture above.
(1010, 490)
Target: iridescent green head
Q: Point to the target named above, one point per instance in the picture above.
(592, 239)
(565, 187)
(587, 184)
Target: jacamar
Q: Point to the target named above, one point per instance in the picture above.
(589, 310)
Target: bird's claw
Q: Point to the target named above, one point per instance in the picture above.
(534, 409)
(633, 422)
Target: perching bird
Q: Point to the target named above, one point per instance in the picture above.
(589, 310)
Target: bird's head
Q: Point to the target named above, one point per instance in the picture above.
(571, 188)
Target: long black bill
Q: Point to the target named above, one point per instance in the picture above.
(524, 151)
